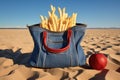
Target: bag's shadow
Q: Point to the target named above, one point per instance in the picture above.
(18, 57)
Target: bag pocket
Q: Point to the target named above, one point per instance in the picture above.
(57, 46)
(56, 42)
(51, 60)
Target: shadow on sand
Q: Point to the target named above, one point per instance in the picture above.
(18, 57)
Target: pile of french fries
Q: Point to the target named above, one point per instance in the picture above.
(58, 24)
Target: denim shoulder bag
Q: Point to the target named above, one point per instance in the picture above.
(57, 49)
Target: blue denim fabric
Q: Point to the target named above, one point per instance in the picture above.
(74, 56)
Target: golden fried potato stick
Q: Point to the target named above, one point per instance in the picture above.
(66, 24)
(42, 21)
(52, 7)
(50, 27)
(74, 18)
(60, 12)
(60, 26)
(63, 13)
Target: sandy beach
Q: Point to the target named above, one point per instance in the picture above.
(16, 46)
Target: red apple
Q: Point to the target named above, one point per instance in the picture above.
(98, 61)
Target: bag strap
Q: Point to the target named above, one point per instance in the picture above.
(69, 33)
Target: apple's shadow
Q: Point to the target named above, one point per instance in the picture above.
(100, 76)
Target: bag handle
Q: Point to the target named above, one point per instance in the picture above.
(57, 50)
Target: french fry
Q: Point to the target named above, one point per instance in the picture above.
(75, 18)
(60, 12)
(52, 8)
(43, 21)
(63, 13)
(50, 27)
(66, 15)
(49, 13)
(42, 18)
(53, 22)
(56, 21)
(63, 27)
(66, 24)
(60, 26)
